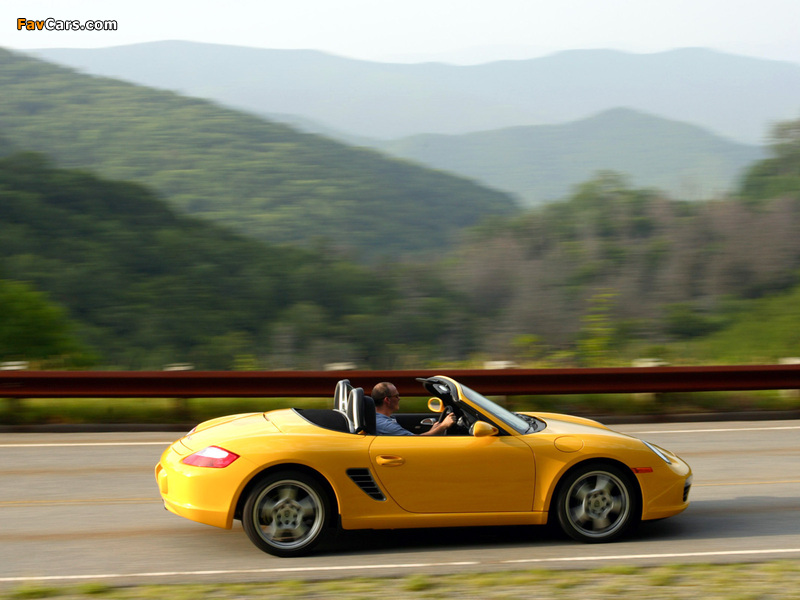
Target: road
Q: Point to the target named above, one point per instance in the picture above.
(77, 507)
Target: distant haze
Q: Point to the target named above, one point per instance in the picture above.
(732, 96)
(425, 30)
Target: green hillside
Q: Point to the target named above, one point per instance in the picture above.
(258, 177)
(765, 330)
(145, 286)
(612, 271)
(543, 163)
(611, 274)
(617, 271)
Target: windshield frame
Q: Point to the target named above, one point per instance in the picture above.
(501, 414)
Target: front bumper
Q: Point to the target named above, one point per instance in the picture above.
(665, 492)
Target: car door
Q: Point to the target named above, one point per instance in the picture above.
(455, 474)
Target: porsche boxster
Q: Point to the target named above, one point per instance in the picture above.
(293, 476)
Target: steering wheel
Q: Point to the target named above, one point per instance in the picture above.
(448, 410)
(443, 415)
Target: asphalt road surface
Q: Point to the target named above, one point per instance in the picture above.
(76, 508)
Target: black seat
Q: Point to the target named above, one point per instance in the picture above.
(368, 423)
(361, 412)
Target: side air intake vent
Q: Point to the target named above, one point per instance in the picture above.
(363, 479)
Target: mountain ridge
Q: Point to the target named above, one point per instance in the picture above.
(733, 96)
(256, 176)
(543, 163)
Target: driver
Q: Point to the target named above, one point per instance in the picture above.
(387, 401)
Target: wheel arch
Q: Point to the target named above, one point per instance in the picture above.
(305, 469)
(595, 462)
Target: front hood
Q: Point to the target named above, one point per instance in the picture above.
(568, 424)
(570, 434)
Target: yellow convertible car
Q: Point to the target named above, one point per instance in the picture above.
(292, 476)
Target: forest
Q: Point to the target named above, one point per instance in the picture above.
(109, 276)
(139, 286)
(139, 228)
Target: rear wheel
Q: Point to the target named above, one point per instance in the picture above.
(597, 503)
(286, 514)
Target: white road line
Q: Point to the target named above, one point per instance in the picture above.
(391, 568)
(342, 568)
(77, 501)
(68, 445)
(729, 483)
(668, 555)
(723, 430)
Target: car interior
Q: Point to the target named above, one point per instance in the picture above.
(354, 411)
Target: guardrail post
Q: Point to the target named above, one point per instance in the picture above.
(792, 394)
(15, 410)
(651, 401)
(15, 407)
(180, 405)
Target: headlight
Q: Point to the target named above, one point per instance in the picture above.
(658, 451)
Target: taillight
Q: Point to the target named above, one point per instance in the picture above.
(213, 457)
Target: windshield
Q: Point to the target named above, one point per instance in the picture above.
(516, 422)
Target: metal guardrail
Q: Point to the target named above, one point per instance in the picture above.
(320, 384)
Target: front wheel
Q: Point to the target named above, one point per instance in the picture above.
(286, 514)
(597, 503)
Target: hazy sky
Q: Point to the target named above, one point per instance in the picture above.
(411, 30)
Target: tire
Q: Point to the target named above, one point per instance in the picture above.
(597, 503)
(287, 514)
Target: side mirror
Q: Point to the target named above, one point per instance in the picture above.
(483, 429)
(435, 405)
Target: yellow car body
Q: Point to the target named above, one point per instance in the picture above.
(291, 477)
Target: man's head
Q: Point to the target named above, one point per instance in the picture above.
(386, 397)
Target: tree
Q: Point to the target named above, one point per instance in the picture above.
(779, 174)
(684, 321)
(33, 328)
(597, 335)
(528, 347)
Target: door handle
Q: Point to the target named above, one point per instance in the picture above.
(390, 461)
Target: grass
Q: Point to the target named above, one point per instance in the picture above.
(38, 411)
(132, 410)
(763, 581)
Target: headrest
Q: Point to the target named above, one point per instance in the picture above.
(361, 411)
(341, 394)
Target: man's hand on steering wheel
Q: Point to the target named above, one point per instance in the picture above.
(446, 420)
